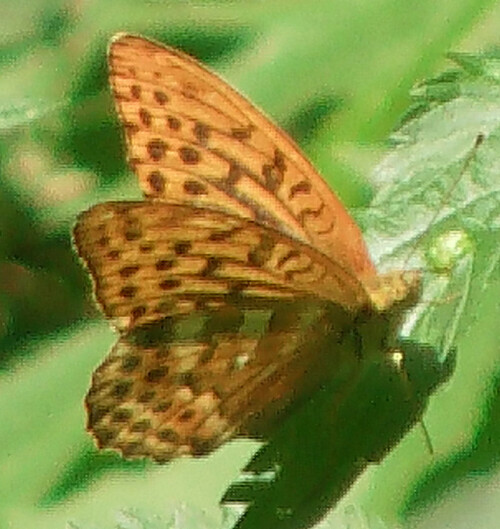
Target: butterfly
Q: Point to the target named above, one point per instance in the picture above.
(233, 277)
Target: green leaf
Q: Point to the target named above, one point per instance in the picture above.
(437, 207)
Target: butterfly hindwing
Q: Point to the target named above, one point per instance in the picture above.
(223, 324)
(184, 385)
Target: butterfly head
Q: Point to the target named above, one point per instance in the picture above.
(395, 290)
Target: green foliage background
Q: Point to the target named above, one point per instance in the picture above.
(337, 75)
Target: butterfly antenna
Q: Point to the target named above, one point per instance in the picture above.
(398, 360)
(427, 437)
(466, 163)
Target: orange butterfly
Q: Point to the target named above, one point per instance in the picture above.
(232, 280)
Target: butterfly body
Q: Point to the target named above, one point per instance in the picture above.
(239, 286)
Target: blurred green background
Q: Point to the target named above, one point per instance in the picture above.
(335, 74)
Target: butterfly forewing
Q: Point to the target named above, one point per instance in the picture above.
(193, 139)
(150, 260)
